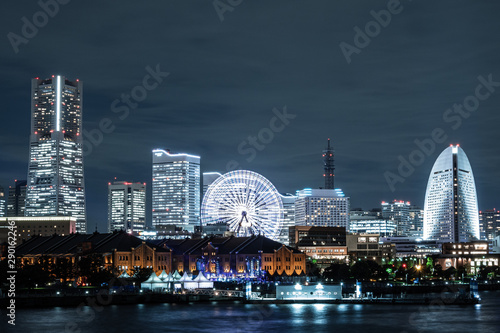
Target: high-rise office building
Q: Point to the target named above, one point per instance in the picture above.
(328, 161)
(3, 206)
(489, 222)
(126, 206)
(55, 175)
(398, 211)
(209, 178)
(176, 189)
(416, 215)
(450, 212)
(322, 208)
(288, 218)
(16, 202)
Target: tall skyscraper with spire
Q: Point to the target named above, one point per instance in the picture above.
(451, 212)
(55, 175)
(328, 159)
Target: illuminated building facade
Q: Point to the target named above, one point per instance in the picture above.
(27, 227)
(119, 251)
(126, 206)
(309, 292)
(209, 178)
(229, 257)
(176, 189)
(450, 212)
(288, 218)
(412, 246)
(384, 227)
(55, 174)
(416, 216)
(365, 246)
(322, 208)
(325, 245)
(16, 202)
(489, 221)
(474, 255)
(253, 256)
(398, 211)
(3, 206)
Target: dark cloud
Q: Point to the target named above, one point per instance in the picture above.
(226, 77)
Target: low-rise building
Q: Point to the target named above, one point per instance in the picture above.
(472, 255)
(231, 257)
(412, 246)
(119, 251)
(27, 227)
(364, 246)
(235, 256)
(323, 245)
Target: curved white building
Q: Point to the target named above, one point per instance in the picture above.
(450, 212)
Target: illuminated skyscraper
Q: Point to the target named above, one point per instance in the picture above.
(126, 206)
(398, 211)
(450, 212)
(2, 203)
(489, 222)
(416, 215)
(176, 189)
(288, 217)
(55, 175)
(16, 202)
(322, 208)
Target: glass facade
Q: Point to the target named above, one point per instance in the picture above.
(385, 227)
(398, 211)
(16, 202)
(490, 224)
(288, 218)
(322, 208)
(126, 206)
(450, 212)
(3, 205)
(55, 174)
(176, 189)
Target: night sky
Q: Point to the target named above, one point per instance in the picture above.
(226, 77)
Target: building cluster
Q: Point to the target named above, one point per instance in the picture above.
(204, 220)
(121, 252)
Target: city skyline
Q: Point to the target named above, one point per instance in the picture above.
(226, 83)
(257, 166)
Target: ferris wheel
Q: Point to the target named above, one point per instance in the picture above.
(246, 201)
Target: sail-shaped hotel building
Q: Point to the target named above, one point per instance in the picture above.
(451, 210)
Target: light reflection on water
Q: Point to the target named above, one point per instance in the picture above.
(220, 317)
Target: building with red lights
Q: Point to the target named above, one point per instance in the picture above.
(126, 206)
